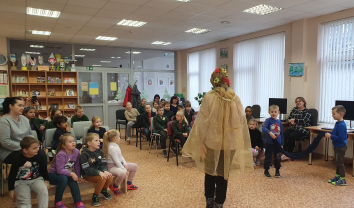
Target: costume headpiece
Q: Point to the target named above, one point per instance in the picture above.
(218, 76)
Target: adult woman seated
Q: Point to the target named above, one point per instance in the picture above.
(174, 104)
(130, 114)
(299, 118)
(14, 127)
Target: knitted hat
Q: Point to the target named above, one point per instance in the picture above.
(218, 77)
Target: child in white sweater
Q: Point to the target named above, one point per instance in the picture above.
(116, 163)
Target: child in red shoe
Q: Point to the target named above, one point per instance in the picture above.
(116, 163)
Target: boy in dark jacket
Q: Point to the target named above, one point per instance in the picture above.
(29, 173)
(160, 126)
(94, 167)
(36, 123)
(147, 120)
(167, 111)
(62, 127)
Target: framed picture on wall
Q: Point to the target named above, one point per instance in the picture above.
(224, 66)
(224, 53)
(149, 81)
(160, 81)
(171, 81)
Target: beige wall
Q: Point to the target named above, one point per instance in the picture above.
(301, 46)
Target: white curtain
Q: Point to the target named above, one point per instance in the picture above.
(259, 70)
(200, 66)
(337, 72)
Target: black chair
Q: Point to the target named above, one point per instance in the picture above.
(139, 125)
(313, 122)
(256, 111)
(121, 120)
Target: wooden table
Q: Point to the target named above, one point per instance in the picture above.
(314, 130)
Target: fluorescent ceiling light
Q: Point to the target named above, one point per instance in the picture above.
(161, 43)
(37, 32)
(115, 57)
(105, 61)
(42, 12)
(96, 65)
(36, 46)
(134, 52)
(262, 9)
(79, 55)
(87, 49)
(32, 52)
(184, 0)
(131, 23)
(106, 38)
(198, 31)
(119, 57)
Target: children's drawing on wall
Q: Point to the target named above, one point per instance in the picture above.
(224, 66)
(166, 96)
(224, 53)
(160, 81)
(296, 69)
(144, 94)
(149, 81)
(171, 81)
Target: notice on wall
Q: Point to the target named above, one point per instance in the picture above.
(93, 88)
(113, 86)
(3, 90)
(84, 86)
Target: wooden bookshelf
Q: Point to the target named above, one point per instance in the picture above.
(24, 83)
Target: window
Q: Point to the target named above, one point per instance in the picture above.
(259, 70)
(200, 66)
(337, 70)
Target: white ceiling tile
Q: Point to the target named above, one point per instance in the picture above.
(96, 4)
(178, 15)
(92, 29)
(193, 8)
(218, 12)
(100, 24)
(69, 17)
(306, 15)
(309, 6)
(203, 18)
(10, 8)
(165, 21)
(279, 22)
(287, 3)
(238, 5)
(150, 11)
(21, 3)
(81, 39)
(329, 10)
(214, 26)
(331, 2)
(37, 37)
(114, 33)
(12, 21)
(164, 4)
(140, 17)
(111, 14)
(100, 42)
(134, 2)
(240, 16)
(105, 20)
(284, 13)
(45, 5)
(65, 29)
(39, 26)
(83, 10)
(30, 18)
(8, 26)
(7, 16)
(120, 7)
(260, 1)
(89, 33)
(212, 3)
(60, 37)
(347, 4)
(71, 23)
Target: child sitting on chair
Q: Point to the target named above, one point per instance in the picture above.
(248, 111)
(96, 128)
(258, 149)
(116, 163)
(147, 121)
(180, 129)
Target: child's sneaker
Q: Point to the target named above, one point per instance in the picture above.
(336, 178)
(115, 190)
(340, 182)
(266, 174)
(174, 151)
(132, 187)
(164, 153)
(258, 162)
(60, 205)
(105, 194)
(128, 140)
(277, 174)
(95, 201)
(79, 205)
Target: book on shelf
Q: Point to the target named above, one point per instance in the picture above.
(69, 80)
(40, 79)
(54, 105)
(57, 80)
(51, 92)
(70, 92)
(71, 105)
(50, 79)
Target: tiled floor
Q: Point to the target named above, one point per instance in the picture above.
(163, 184)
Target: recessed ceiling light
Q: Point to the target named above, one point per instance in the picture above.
(37, 32)
(134, 52)
(106, 38)
(225, 22)
(262, 9)
(42, 12)
(113, 57)
(119, 57)
(79, 55)
(131, 23)
(184, 0)
(36, 46)
(32, 52)
(198, 31)
(161, 43)
(105, 61)
(87, 49)
(96, 65)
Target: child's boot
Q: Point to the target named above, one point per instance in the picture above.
(216, 205)
(277, 173)
(266, 174)
(210, 202)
